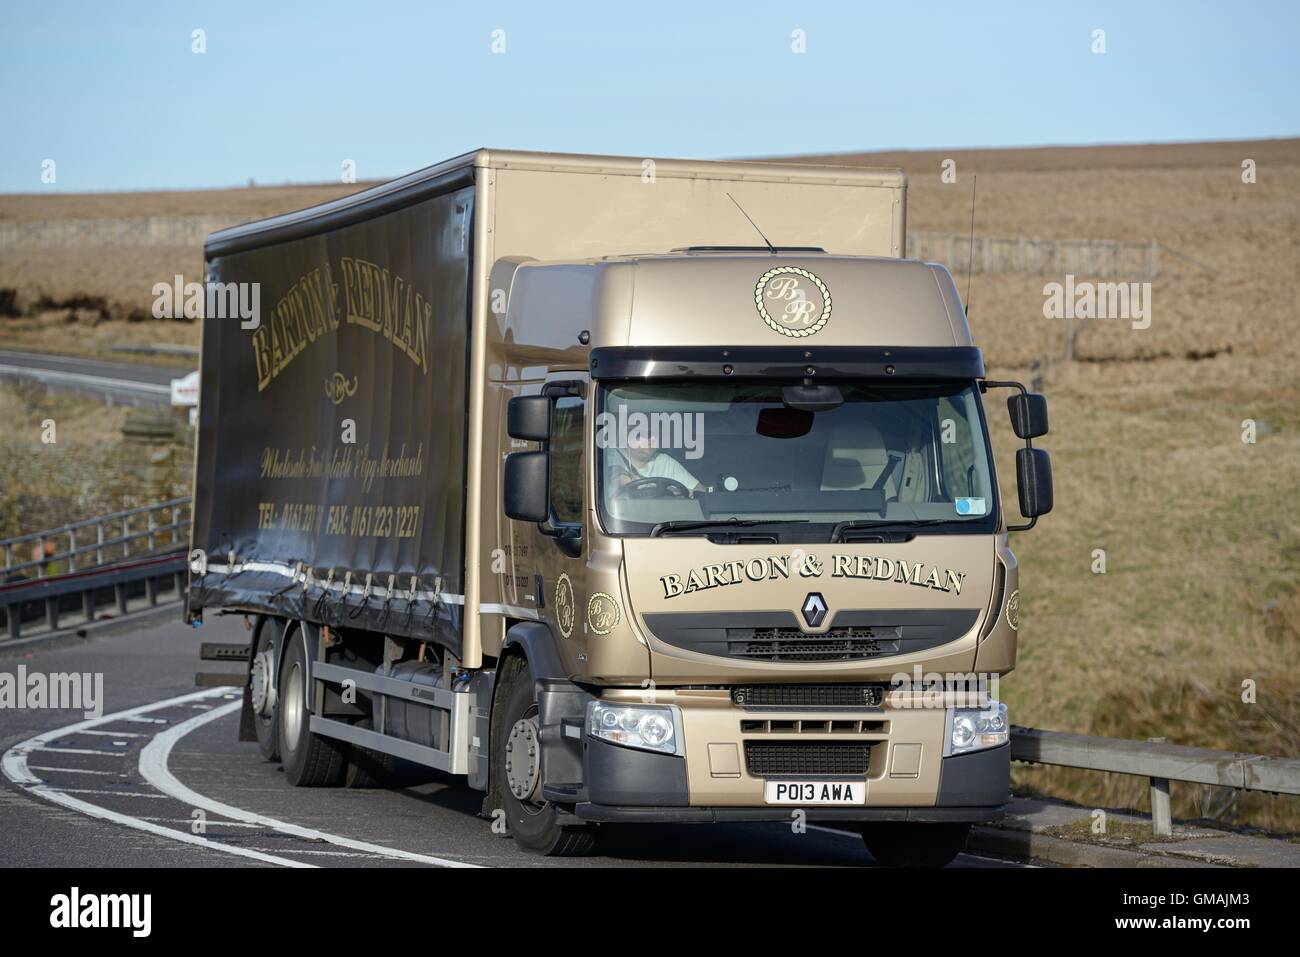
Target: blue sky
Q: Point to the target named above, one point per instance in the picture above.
(286, 92)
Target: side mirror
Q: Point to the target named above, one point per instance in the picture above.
(528, 417)
(527, 486)
(1028, 412)
(1034, 480)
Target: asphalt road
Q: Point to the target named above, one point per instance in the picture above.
(119, 382)
(160, 780)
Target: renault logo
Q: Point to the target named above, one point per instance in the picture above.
(814, 609)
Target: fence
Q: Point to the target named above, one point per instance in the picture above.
(138, 231)
(97, 541)
(1090, 258)
(123, 550)
(1160, 762)
(1094, 258)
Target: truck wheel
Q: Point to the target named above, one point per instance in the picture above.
(262, 690)
(310, 760)
(367, 768)
(516, 771)
(914, 845)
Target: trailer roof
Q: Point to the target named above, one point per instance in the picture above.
(459, 171)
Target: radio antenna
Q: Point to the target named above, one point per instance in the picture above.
(770, 247)
(970, 254)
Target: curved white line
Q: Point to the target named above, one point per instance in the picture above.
(14, 764)
(153, 767)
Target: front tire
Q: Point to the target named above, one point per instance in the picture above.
(914, 845)
(310, 760)
(516, 770)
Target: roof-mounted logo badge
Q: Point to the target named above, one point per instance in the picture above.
(792, 301)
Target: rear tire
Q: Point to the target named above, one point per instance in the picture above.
(533, 822)
(367, 768)
(310, 760)
(914, 845)
(264, 694)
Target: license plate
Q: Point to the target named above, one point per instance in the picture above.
(816, 792)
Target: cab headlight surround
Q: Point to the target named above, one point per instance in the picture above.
(646, 727)
(976, 729)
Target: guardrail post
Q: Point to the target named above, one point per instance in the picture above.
(178, 583)
(1162, 823)
(14, 614)
(119, 592)
(52, 613)
(99, 541)
(151, 590)
(88, 604)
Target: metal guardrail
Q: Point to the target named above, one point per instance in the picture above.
(119, 550)
(160, 349)
(108, 535)
(109, 388)
(1159, 761)
(90, 585)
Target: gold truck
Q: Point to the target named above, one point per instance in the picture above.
(633, 490)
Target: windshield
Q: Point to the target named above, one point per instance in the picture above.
(673, 453)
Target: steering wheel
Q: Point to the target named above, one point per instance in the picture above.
(652, 487)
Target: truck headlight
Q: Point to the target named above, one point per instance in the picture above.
(975, 729)
(648, 727)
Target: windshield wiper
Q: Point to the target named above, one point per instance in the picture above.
(686, 526)
(838, 530)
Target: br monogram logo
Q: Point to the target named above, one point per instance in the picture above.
(338, 388)
(792, 301)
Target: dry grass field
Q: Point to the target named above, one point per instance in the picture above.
(1199, 601)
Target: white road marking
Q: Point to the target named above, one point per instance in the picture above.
(14, 764)
(117, 734)
(111, 774)
(189, 822)
(331, 853)
(153, 768)
(125, 794)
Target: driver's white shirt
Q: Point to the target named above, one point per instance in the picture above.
(662, 465)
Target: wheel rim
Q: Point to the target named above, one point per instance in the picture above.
(523, 760)
(261, 687)
(293, 698)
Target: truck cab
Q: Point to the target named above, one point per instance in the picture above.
(751, 497)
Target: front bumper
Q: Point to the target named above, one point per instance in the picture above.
(908, 778)
(602, 813)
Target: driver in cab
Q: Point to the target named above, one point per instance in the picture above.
(642, 459)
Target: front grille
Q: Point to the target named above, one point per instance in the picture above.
(791, 644)
(776, 758)
(791, 697)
